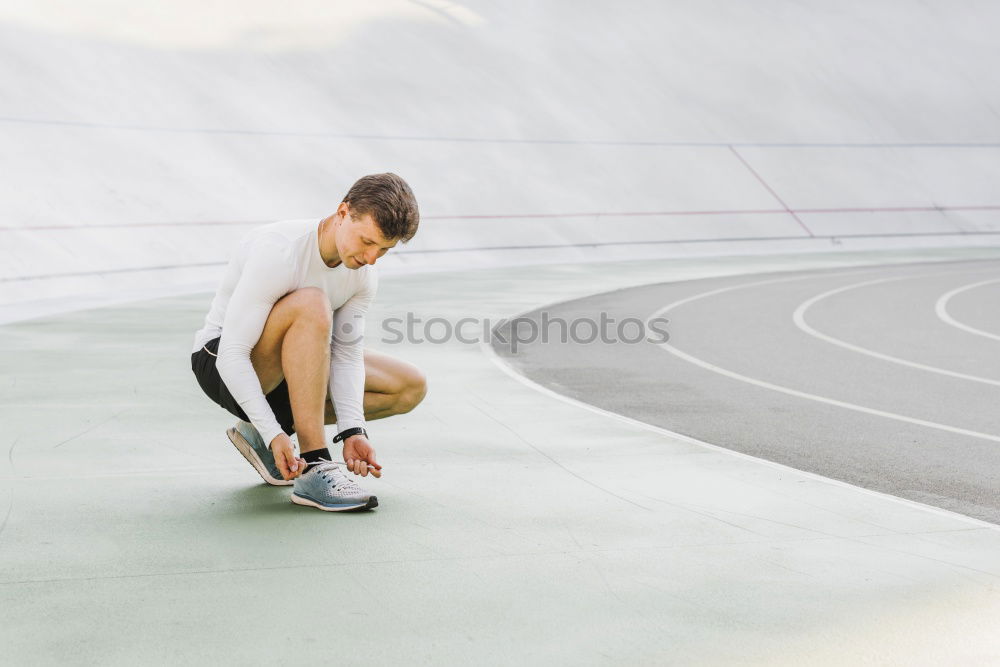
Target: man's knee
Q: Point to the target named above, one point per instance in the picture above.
(414, 390)
(310, 305)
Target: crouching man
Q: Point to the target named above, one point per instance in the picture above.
(282, 347)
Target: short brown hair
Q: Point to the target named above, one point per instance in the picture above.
(390, 202)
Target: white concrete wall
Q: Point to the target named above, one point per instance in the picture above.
(139, 140)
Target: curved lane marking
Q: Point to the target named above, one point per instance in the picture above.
(941, 308)
(799, 318)
(508, 370)
(788, 390)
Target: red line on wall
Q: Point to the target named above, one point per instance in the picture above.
(539, 216)
(428, 251)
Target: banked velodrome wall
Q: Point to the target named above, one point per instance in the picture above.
(138, 144)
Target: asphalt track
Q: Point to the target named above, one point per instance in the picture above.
(886, 377)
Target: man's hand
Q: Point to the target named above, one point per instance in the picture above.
(284, 457)
(360, 457)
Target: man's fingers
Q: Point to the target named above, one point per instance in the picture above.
(279, 460)
(373, 467)
(297, 465)
(362, 467)
(289, 465)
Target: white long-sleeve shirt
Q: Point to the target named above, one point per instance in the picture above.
(270, 262)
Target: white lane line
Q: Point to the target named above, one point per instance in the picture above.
(788, 390)
(799, 318)
(512, 373)
(823, 399)
(941, 308)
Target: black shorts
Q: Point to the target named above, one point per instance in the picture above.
(203, 365)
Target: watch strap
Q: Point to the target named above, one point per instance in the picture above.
(343, 435)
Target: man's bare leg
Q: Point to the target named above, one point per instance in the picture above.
(392, 387)
(295, 346)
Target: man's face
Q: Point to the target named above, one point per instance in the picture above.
(360, 242)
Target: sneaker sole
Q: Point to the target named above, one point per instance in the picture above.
(309, 502)
(247, 450)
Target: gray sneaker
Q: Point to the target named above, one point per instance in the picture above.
(255, 450)
(325, 486)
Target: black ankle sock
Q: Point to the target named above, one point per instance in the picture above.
(313, 457)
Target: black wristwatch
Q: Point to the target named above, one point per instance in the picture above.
(344, 435)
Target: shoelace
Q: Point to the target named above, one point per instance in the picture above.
(341, 463)
(323, 466)
(318, 461)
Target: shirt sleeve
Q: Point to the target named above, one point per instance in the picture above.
(265, 278)
(347, 362)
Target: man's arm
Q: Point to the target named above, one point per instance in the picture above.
(347, 361)
(264, 279)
